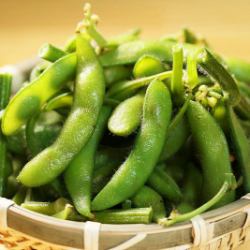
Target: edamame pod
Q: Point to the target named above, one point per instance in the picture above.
(126, 117)
(147, 66)
(191, 189)
(116, 73)
(177, 133)
(165, 185)
(130, 52)
(102, 175)
(147, 197)
(78, 175)
(32, 97)
(38, 70)
(241, 146)
(131, 175)
(239, 68)
(106, 155)
(48, 208)
(63, 100)
(88, 99)
(213, 152)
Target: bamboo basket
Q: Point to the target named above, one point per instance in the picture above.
(224, 228)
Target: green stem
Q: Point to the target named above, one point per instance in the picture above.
(89, 23)
(50, 52)
(130, 86)
(125, 216)
(5, 91)
(177, 86)
(228, 184)
(192, 73)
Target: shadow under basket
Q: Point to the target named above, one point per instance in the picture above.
(224, 228)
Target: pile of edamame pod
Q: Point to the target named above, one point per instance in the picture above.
(124, 130)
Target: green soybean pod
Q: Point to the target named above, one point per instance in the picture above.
(32, 97)
(88, 100)
(165, 185)
(106, 155)
(19, 197)
(192, 184)
(177, 133)
(62, 100)
(125, 216)
(246, 126)
(68, 213)
(38, 70)
(70, 45)
(131, 176)
(102, 175)
(244, 88)
(212, 149)
(16, 143)
(147, 66)
(175, 139)
(147, 197)
(130, 52)
(48, 208)
(37, 140)
(239, 68)
(243, 108)
(191, 189)
(116, 73)
(241, 146)
(78, 175)
(126, 117)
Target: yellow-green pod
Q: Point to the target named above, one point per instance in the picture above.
(32, 97)
(147, 66)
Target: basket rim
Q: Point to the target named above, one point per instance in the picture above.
(70, 233)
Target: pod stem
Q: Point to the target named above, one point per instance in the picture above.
(5, 91)
(192, 72)
(177, 86)
(89, 24)
(229, 183)
(50, 53)
(125, 216)
(130, 86)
